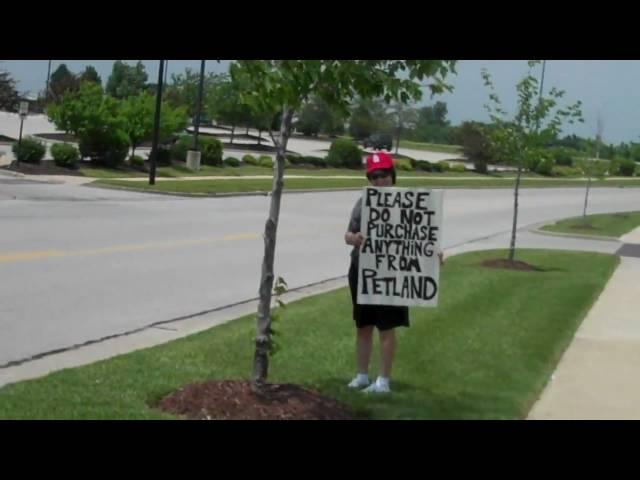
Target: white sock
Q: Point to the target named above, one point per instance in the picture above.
(362, 377)
(383, 381)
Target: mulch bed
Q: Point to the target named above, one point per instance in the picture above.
(234, 400)
(45, 168)
(61, 137)
(509, 265)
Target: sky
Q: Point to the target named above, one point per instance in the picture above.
(605, 87)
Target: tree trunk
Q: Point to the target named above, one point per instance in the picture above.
(512, 245)
(247, 132)
(263, 323)
(586, 200)
(592, 168)
(259, 136)
(233, 129)
(397, 141)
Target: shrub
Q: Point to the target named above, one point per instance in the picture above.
(210, 151)
(424, 166)
(249, 159)
(231, 162)
(295, 159)
(30, 150)
(480, 166)
(180, 147)
(563, 157)
(458, 168)
(545, 166)
(163, 159)
(442, 166)
(65, 155)
(265, 161)
(345, 153)
(137, 162)
(320, 162)
(107, 147)
(404, 165)
(627, 168)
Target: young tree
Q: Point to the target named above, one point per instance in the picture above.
(137, 113)
(183, 90)
(75, 109)
(228, 106)
(286, 85)
(521, 139)
(592, 168)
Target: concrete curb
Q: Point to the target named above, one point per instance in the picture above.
(259, 193)
(575, 235)
(9, 173)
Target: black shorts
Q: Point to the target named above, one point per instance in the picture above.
(384, 317)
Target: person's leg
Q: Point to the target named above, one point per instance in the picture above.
(387, 354)
(387, 351)
(364, 344)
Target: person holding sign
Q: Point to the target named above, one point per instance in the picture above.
(384, 317)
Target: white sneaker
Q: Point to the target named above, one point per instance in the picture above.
(377, 387)
(358, 382)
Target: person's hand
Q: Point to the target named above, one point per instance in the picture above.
(358, 238)
(355, 239)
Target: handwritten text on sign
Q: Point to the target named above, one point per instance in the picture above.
(399, 262)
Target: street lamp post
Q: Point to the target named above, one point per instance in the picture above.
(46, 91)
(24, 109)
(156, 127)
(194, 155)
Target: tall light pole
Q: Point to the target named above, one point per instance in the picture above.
(166, 70)
(194, 155)
(156, 127)
(199, 106)
(46, 91)
(544, 64)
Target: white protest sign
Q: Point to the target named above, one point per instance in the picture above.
(399, 263)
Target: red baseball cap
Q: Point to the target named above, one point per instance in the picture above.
(379, 161)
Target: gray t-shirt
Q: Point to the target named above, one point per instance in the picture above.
(354, 225)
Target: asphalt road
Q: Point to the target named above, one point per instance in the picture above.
(79, 263)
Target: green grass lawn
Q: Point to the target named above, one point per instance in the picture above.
(486, 352)
(608, 225)
(264, 185)
(101, 172)
(248, 170)
(431, 147)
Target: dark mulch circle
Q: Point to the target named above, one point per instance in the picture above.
(234, 400)
(509, 265)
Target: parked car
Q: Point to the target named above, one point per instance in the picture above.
(379, 141)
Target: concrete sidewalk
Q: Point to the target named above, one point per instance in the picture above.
(597, 377)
